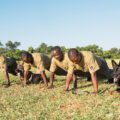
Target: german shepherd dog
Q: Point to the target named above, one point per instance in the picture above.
(32, 78)
(116, 74)
(17, 70)
(12, 66)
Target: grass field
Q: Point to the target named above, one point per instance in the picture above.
(34, 102)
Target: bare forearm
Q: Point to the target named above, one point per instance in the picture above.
(94, 81)
(25, 77)
(68, 80)
(51, 78)
(44, 78)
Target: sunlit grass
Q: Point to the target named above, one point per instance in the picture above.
(34, 102)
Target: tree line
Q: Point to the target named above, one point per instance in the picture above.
(10, 49)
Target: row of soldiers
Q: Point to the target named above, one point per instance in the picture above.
(71, 64)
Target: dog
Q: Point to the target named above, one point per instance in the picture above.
(116, 74)
(11, 65)
(32, 78)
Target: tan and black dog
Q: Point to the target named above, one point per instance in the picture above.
(32, 78)
(116, 74)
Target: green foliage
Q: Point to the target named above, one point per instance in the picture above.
(10, 50)
(63, 49)
(16, 54)
(93, 48)
(49, 48)
(113, 53)
(107, 54)
(2, 51)
(42, 48)
(1, 43)
(34, 102)
(31, 49)
(12, 45)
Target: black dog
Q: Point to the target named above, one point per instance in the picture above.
(11, 65)
(32, 78)
(116, 74)
(17, 70)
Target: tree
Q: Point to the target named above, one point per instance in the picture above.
(49, 49)
(1, 44)
(107, 54)
(12, 45)
(16, 54)
(63, 48)
(115, 53)
(42, 48)
(93, 48)
(2, 51)
(30, 49)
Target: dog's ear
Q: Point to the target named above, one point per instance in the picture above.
(119, 63)
(114, 64)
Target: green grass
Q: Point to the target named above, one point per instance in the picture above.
(34, 102)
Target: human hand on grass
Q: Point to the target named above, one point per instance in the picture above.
(50, 87)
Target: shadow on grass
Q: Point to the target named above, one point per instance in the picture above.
(88, 85)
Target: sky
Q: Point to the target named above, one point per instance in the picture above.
(68, 23)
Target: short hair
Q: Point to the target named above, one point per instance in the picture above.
(56, 48)
(27, 56)
(73, 53)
